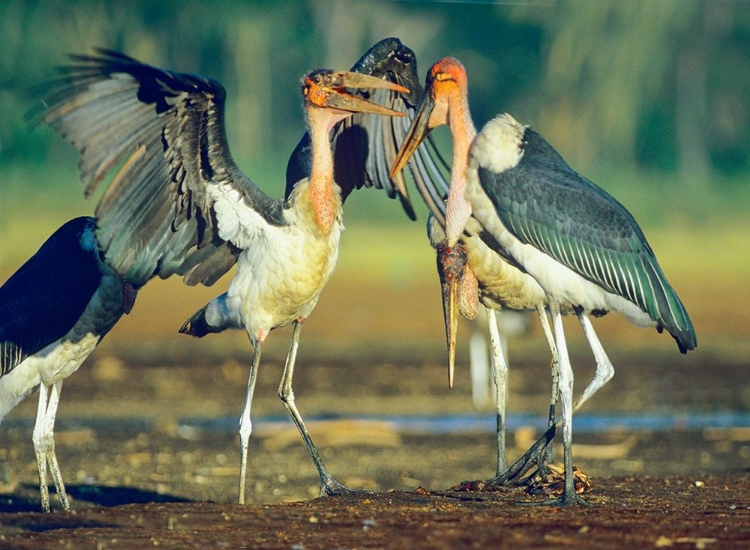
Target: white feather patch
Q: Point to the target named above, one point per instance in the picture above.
(498, 146)
(238, 223)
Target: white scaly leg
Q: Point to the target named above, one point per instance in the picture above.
(604, 368)
(246, 424)
(328, 485)
(555, 372)
(37, 437)
(569, 495)
(500, 377)
(48, 438)
(541, 452)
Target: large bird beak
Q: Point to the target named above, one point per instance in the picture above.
(417, 133)
(338, 98)
(451, 263)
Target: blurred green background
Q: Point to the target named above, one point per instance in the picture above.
(647, 98)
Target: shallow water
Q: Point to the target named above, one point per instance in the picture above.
(433, 425)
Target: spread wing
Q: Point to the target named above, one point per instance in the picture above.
(177, 202)
(365, 146)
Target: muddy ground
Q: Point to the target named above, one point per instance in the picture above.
(146, 436)
(151, 460)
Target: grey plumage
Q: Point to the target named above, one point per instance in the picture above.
(545, 203)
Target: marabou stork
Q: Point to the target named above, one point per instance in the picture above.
(584, 249)
(470, 273)
(54, 311)
(179, 196)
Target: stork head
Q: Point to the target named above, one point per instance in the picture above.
(446, 88)
(329, 90)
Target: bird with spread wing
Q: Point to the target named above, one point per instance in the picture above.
(178, 203)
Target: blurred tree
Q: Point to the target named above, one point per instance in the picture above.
(604, 61)
(658, 85)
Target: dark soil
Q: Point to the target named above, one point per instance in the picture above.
(635, 512)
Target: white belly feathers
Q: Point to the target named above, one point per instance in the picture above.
(272, 287)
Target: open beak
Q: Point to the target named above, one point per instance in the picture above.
(417, 133)
(451, 263)
(336, 96)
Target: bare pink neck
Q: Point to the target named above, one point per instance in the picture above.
(321, 185)
(458, 208)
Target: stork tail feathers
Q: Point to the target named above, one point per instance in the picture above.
(197, 325)
(216, 316)
(671, 313)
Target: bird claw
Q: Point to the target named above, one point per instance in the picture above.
(512, 477)
(331, 488)
(548, 479)
(553, 482)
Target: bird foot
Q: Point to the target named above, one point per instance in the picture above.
(330, 487)
(499, 482)
(477, 485)
(512, 477)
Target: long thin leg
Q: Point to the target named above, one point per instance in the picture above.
(48, 436)
(500, 377)
(538, 454)
(604, 368)
(479, 363)
(569, 495)
(328, 485)
(246, 424)
(44, 444)
(555, 371)
(38, 437)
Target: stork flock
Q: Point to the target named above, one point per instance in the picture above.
(514, 227)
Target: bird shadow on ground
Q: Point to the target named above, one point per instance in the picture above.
(115, 496)
(26, 497)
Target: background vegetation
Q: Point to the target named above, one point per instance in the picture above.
(648, 98)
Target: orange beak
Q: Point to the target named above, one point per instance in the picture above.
(334, 94)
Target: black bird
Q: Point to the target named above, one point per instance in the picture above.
(54, 311)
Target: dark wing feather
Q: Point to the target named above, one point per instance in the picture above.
(164, 133)
(545, 203)
(365, 146)
(42, 301)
